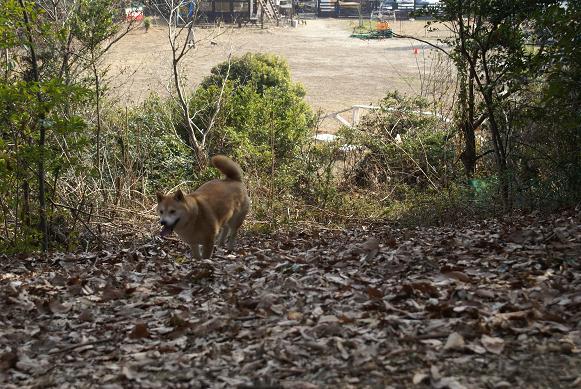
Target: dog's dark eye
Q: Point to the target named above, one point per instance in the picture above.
(161, 212)
(172, 211)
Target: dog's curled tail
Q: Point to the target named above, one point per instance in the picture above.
(228, 167)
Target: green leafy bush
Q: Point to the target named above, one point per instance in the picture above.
(262, 115)
(20, 154)
(147, 23)
(402, 146)
(262, 71)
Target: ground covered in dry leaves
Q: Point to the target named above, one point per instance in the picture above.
(493, 304)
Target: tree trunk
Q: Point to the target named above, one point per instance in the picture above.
(467, 127)
(26, 204)
(42, 224)
(42, 188)
(468, 155)
(98, 129)
(499, 151)
(201, 157)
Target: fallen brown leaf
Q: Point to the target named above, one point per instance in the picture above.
(8, 360)
(492, 344)
(139, 331)
(455, 341)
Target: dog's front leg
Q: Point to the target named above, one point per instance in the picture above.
(208, 249)
(196, 251)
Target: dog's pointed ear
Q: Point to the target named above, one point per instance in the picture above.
(160, 196)
(179, 195)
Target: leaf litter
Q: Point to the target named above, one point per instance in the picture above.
(491, 304)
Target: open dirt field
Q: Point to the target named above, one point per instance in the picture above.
(337, 71)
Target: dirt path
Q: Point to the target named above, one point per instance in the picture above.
(337, 71)
(494, 304)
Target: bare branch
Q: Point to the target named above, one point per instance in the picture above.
(443, 50)
(218, 102)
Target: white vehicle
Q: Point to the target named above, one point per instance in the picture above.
(407, 4)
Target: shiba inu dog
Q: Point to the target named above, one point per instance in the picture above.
(215, 209)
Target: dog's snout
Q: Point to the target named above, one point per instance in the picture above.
(163, 223)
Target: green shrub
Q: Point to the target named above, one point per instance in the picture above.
(452, 204)
(402, 147)
(262, 71)
(145, 152)
(21, 115)
(262, 117)
(147, 23)
(314, 175)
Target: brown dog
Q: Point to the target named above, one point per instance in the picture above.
(217, 207)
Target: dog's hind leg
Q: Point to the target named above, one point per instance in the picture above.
(232, 240)
(234, 225)
(223, 235)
